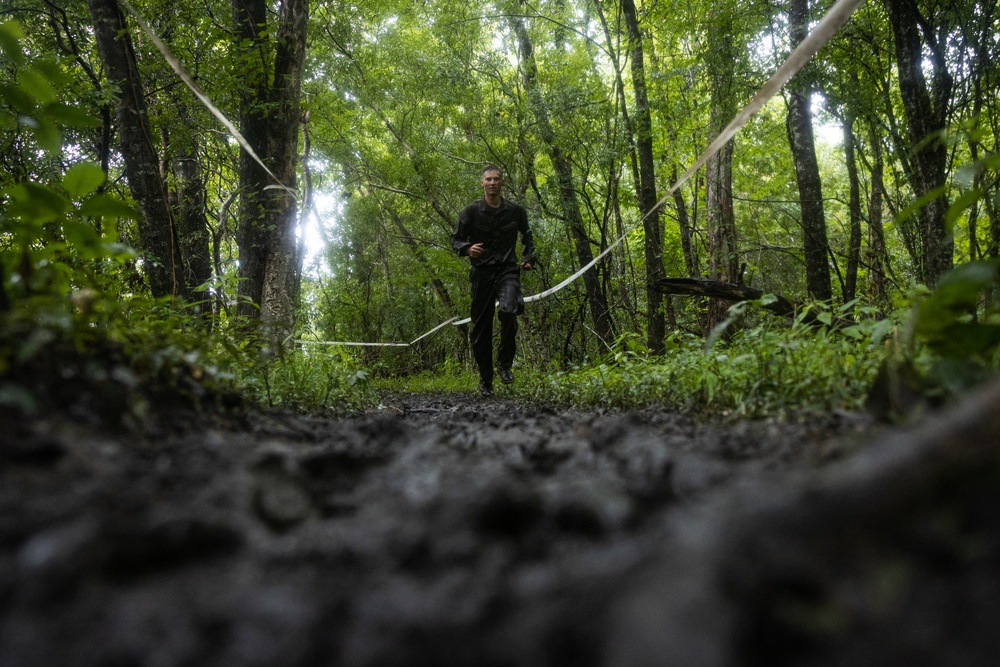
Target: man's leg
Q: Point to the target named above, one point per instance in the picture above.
(483, 296)
(511, 305)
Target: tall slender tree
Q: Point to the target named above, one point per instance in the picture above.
(800, 136)
(722, 239)
(270, 120)
(926, 108)
(600, 313)
(157, 236)
(647, 177)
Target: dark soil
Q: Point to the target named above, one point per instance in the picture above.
(445, 530)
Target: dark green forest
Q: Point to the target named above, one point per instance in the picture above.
(200, 199)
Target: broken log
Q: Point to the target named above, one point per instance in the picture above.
(715, 289)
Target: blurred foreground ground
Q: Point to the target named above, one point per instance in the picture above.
(445, 530)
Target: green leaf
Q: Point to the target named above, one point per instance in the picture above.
(920, 202)
(34, 83)
(959, 375)
(10, 36)
(51, 70)
(965, 339)
(81, 235)
(36, 202)
(106, 205)
(71, 116)
(955, 211)
(82, 179)
(957, 292)
(19, 100)
(47, 135)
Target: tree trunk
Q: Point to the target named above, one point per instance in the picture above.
(188, 203)
(647, 177)
(411, 242)
(926, 113)
(161, 256)
(723, 254)
(684, 223)
(270, 113)
(714, 289)
(253, 53)
(600, 313)
(854, 210)
(800, 133)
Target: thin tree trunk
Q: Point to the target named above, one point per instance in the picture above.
(161, 257)
(599, 310)
(880, 268)
(684, 223)
(800, 133)
(270, 115)
(854, 211)
(254, 53)
(411, 242)
(723, 254)
(926, 113)
(647, 193)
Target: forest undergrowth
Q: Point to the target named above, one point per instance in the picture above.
(111, 361)
(77, 330)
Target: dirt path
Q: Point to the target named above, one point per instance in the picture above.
(437, 530)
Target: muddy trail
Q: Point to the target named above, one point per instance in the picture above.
(446, 530)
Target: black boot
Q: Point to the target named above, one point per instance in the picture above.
(506, 376)
(485, 388)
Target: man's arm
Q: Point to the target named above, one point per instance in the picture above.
(527, 241)
(460, 237)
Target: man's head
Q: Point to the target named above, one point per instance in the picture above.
(492, 181)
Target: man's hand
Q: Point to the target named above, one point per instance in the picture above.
(475, 250)
(526, 266)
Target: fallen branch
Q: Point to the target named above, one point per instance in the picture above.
(715, 289)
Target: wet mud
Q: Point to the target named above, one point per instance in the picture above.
(447, 530)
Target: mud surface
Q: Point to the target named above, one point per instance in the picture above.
(444, 530)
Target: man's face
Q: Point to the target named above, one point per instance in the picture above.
(492, 182)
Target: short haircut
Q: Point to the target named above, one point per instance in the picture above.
(491, 167)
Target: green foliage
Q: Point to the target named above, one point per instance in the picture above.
(449, 378)
(953, 337)
(764, 371)
(107, 359)
(72, 331)
(307, 379)
(59, 235)
(115, 360)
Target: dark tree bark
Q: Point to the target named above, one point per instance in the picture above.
(270, 120)
(854, 211)
(684, 224)
(800, 133)
(161, 254)
(647, 177)
(723, 253)
(730, 293)
(411, 242)
(926, 114)
(252, 238)
(600, 313)
(188, 204)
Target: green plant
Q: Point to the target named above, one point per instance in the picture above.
(953, 335)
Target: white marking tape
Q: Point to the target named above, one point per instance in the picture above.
(803, 53)
(179, 69)
(440, 326)
(350, 343)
